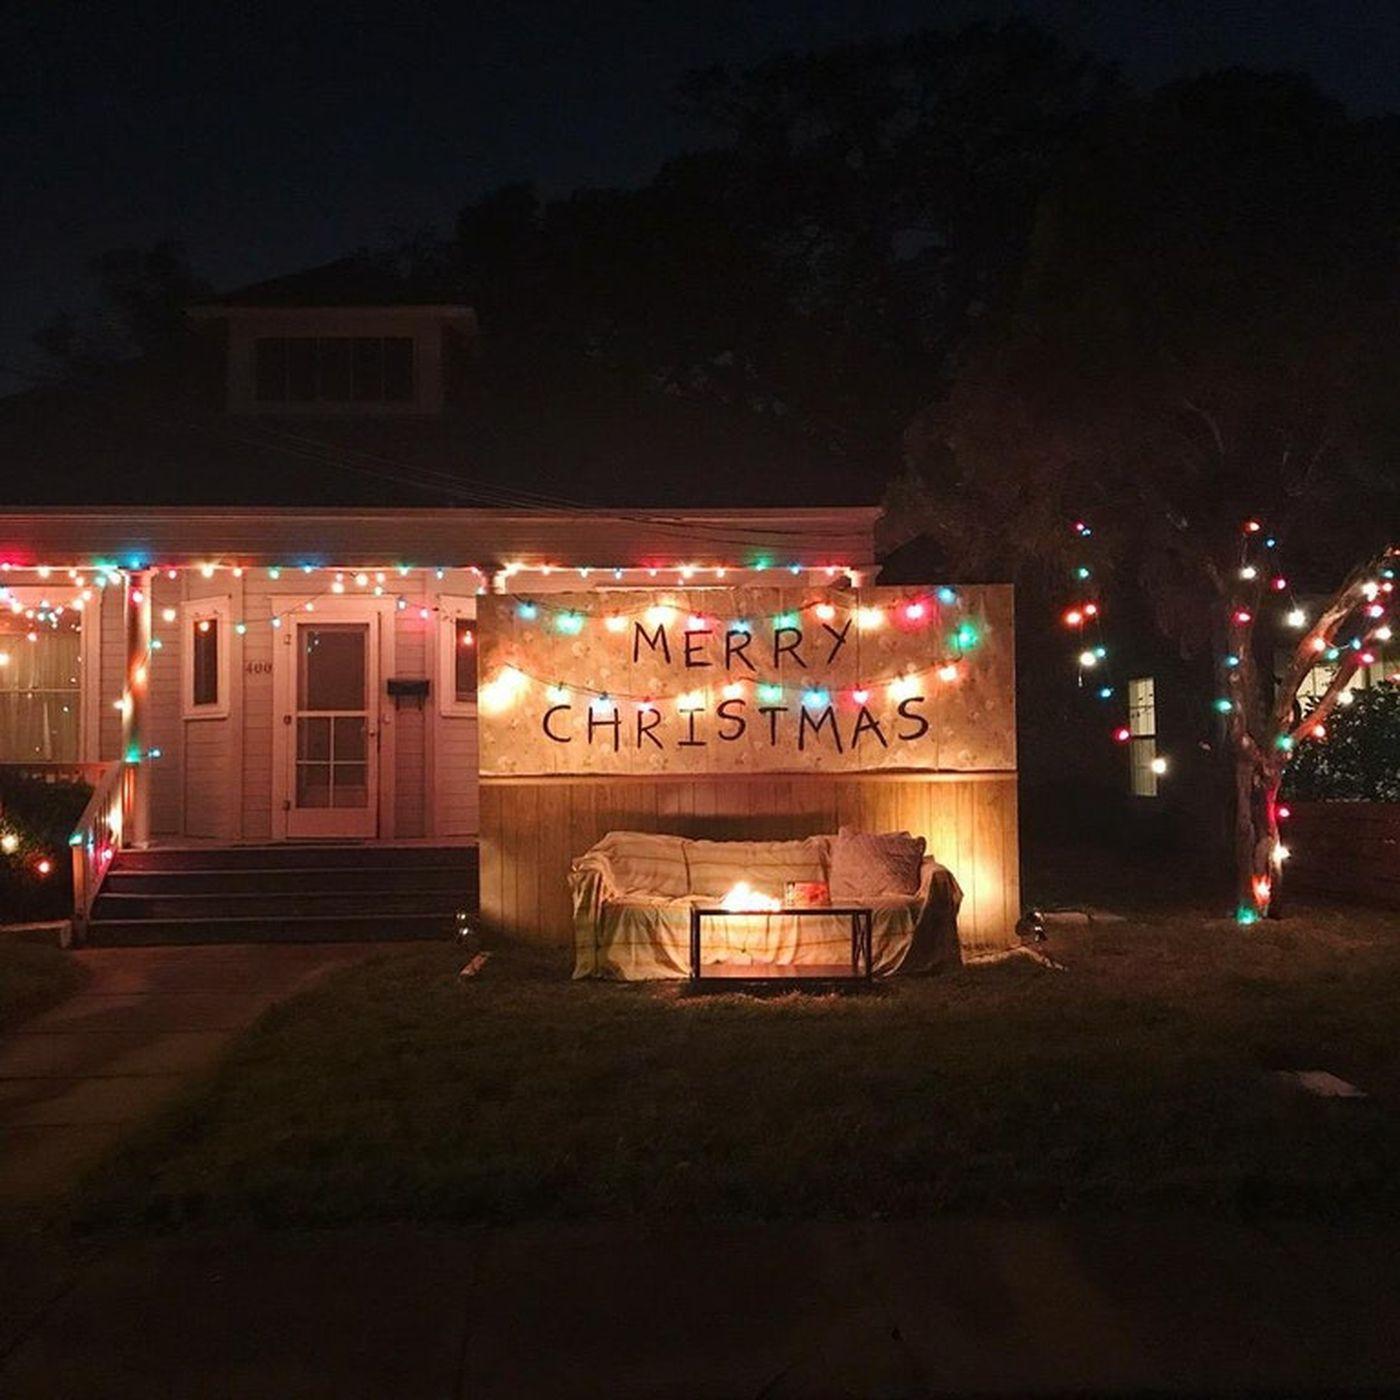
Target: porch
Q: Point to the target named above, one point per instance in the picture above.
(250, 714)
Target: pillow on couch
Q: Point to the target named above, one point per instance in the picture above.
(645, 862)
(867, 866)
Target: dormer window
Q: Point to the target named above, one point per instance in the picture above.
(341, 341)
(304, 369)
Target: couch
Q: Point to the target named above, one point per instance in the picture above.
(633, 891)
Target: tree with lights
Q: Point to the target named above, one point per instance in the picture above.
(1190, 384)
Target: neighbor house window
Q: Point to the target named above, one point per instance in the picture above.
(40, 685)
(457, 656)
(333, 369)
(205, 658)
(1142, 731)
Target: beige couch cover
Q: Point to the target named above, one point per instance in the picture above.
(633, 892)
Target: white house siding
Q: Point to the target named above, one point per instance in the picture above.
(113, 645)
(454, 775)
(411, 657)
(164, 729)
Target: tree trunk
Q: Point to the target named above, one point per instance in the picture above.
(1258, 870)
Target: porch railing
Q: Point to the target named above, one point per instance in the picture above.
(97, 837)
(90, 773)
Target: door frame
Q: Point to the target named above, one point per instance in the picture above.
(379, 614)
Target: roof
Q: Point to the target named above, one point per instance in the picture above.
(811, 538)
(588, 437)
(359, 280)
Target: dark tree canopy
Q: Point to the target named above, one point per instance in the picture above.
(821, 262)
(1203, 331)
(140, 296)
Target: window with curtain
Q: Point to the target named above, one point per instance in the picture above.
(40, 688)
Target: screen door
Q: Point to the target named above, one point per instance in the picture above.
(334, 743)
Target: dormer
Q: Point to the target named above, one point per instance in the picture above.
(353, 338)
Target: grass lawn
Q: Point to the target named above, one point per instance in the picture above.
(33, 975)
(1138, 1079)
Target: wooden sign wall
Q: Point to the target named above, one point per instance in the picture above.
(754, 680)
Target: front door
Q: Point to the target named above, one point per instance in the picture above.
(333, 749)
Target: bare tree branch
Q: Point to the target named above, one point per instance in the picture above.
(1344, 602)
(1210, 423)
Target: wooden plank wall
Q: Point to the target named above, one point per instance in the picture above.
(531, 828)
(1350, 850)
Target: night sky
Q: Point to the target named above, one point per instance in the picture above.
(271, 137)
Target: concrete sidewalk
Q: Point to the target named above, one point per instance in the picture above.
(147, 1020)
(617, 1311)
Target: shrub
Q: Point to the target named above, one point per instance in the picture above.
(42, 816)
(1359, 761)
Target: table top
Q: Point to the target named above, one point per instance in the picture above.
(786, 909)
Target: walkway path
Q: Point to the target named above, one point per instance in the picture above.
(765, 1311)
(147, 1020)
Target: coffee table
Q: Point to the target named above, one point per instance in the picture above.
(862, 919)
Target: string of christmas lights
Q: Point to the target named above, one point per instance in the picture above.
(918, 609)
(511, 682)
(1350, 634)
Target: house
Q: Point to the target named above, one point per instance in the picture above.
(282, 658)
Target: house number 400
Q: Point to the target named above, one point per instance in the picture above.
(257, 668)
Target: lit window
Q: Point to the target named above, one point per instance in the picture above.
(333, 369)
(40, 686)
(1142, 729)
(464, 652)
(205, 644)
(456, 674)
(205, 659)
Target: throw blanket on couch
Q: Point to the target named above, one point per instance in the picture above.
(633, 892)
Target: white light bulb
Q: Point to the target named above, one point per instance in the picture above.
(1159, 766)
(1297, 618)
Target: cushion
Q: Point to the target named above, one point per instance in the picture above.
(865, 866)
(647, 863)
(716, 866)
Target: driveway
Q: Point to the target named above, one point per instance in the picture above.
(148, 1020)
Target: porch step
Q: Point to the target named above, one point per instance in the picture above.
(253, 903)
(297, 855)
(291, 880)
(342, 928)
(284, 893)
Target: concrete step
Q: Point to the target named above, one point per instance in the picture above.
(297, 855)
(332, 928)
(291, 892)
(251, 902)
(450, 879)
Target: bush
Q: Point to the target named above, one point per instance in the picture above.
(1359, 761)
(42, 816)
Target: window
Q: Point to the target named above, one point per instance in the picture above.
(457, 656)
(40, 684)
(205, 642)
(205, 658)
(333, 369)
(1142, 741)
(464, 649)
